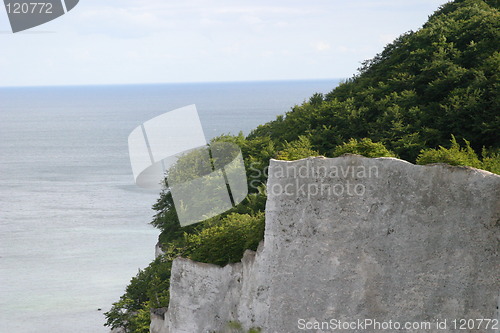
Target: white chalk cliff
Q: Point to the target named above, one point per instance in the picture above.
(354, 238)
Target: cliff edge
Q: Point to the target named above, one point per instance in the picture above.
(351, 239)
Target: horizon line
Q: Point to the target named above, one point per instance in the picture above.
(168, 83)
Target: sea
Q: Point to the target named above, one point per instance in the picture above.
(74, 228)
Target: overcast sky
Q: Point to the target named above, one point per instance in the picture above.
(153, 41)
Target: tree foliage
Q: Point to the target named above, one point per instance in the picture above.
(221, 241)
(295, 150)
(424, 87)
(463, 156)
(365, 147)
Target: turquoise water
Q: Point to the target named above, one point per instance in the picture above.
(73, 226)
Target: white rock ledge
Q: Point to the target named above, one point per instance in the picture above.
(421, 243)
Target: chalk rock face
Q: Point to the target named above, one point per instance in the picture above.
(353, 238)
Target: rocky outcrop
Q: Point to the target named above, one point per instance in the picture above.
(158, 250)
(353, 240)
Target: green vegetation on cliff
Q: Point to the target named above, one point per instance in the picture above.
(431, 96)
(424, 87)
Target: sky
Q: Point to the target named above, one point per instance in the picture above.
(164, 41)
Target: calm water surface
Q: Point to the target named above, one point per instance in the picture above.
(73, 226)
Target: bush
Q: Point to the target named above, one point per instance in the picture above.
(296, 150)
(365, 147)
(464, 156)
(227, 241)
(491, 161)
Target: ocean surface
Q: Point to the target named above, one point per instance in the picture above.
(73, 225)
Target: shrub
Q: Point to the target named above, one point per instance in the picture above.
(296, 150)
(226, 241)
(457, 155)
(365, 147)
